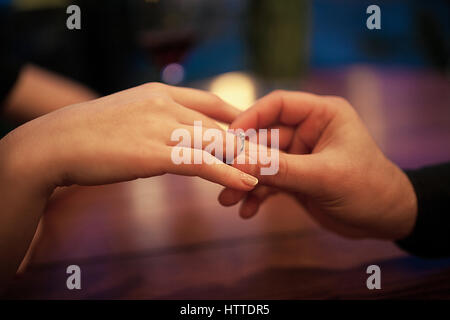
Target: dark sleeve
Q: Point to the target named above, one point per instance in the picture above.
(10, 64)
(430, 237)
(9, 72)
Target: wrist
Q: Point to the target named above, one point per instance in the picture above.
(403, 204)
(24, 164)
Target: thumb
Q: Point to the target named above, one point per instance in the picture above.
(296, 173)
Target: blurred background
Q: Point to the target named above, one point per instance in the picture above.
(134, 240)
(124, 43)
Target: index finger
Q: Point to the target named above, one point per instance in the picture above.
(278, 107)
(205, 102)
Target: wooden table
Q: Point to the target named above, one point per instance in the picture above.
(167, 237)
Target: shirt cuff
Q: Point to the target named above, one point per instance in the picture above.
(430, 237)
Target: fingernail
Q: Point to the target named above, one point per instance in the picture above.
(249, 180)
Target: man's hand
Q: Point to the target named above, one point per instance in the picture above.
(330, 163)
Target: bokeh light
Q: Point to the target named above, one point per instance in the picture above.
(236, 88)
(173, 74)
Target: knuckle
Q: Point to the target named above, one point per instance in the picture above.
(158, 101)
(153, 85)
(338, 101)
(278, 92)
(277, 96)
(340, 104)
(215, 99)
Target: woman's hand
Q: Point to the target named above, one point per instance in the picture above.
(331, 164)
(120, 137)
